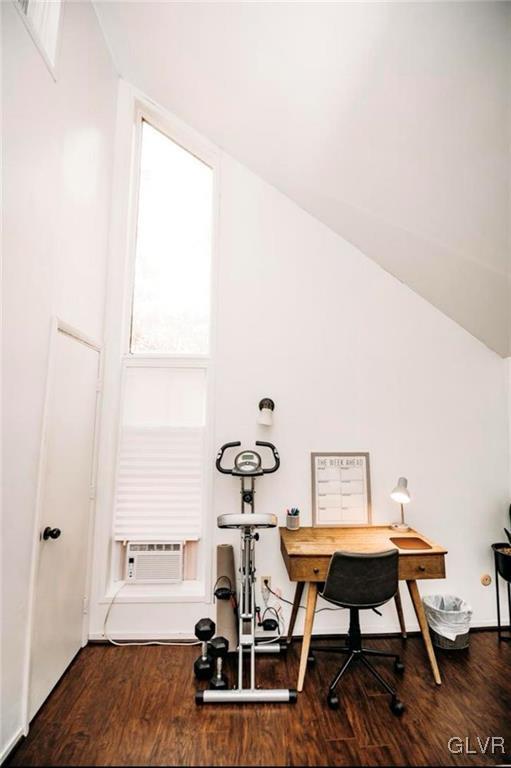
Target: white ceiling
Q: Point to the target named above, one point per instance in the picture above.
(389, 122)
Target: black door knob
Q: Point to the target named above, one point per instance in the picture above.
(51, 533)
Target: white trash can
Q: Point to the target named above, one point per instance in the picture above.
(449, 620)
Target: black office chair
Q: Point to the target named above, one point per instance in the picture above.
(360, 582)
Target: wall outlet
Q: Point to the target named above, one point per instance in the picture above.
(264, 591)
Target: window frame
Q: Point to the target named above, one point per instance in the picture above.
(53, 67)
(143, 110)
(187, 141)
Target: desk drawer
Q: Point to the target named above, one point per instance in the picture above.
(410, 567)
(421, 567)
(308, 568)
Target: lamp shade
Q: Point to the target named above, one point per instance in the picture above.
(401, 493)
(265, 417)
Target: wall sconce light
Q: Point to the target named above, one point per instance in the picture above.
(266, 407)
(401, 494)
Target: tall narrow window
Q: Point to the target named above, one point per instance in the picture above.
(161, 464)
(173, 252)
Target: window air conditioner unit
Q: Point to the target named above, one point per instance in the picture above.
(158, 562)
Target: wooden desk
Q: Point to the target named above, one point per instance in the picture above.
(307, 554)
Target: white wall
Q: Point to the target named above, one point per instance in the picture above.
(355, 361)
(390, 122)
(57, 166)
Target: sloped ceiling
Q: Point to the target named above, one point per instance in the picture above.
(389, 122)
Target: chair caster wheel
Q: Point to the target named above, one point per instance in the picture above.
(333, 701)
(399, 667)
(397, 707)
(311, 660)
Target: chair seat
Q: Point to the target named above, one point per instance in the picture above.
(247, 520)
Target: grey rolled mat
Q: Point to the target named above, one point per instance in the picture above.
(226, 624)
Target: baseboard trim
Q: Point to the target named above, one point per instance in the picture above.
(139, 636)
(390, 635)
(98, 639)
(11, 745)
(129, 639)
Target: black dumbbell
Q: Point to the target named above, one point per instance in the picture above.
(219, 648)
(205, 629)
(203, 666)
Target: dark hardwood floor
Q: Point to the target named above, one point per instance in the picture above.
(135, 706)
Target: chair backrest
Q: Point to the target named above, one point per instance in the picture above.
(360, 580)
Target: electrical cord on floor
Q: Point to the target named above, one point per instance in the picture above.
(283, 599)
(270, 641)
(148, 642)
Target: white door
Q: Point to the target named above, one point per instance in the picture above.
(60, 580)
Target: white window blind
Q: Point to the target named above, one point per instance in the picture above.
(159, 484)
(160, 471)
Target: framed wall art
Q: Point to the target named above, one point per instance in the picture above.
(341, 489)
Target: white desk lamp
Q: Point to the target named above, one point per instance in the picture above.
(401, 494)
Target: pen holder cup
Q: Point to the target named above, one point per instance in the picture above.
(292, 522)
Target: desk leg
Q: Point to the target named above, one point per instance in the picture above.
(399, 609)
(296, 604)
(312, 596)
(421, 617)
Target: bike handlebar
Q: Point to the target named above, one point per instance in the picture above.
(220, 454)
(276, 456)
(236, 444)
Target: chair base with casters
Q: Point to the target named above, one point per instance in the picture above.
(355, 652)
(361, 581)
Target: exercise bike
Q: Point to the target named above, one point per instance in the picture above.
(247, 466)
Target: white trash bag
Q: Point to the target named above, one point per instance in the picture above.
(447, 615)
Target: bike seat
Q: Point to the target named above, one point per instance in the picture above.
(247, 520)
